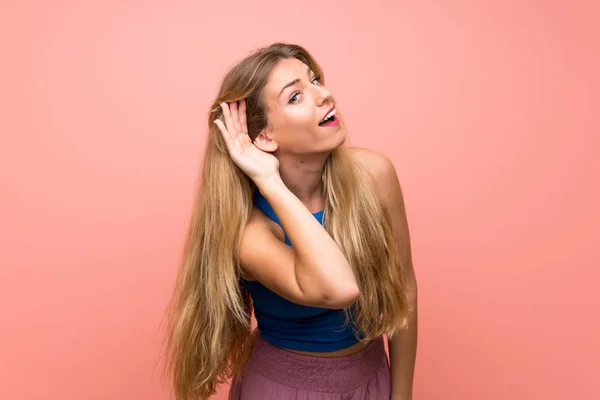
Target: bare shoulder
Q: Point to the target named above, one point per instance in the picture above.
(373, 160)
(383, 177)
(381, 173)
(258, 227)
(258, 221)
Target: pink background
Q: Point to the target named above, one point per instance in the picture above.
(489, 110)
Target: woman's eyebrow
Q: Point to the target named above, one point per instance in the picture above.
(295, 81)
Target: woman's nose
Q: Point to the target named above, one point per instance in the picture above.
(323, 95)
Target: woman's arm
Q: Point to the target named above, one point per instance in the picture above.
(313, 272)
(321, 271)
(403, 345)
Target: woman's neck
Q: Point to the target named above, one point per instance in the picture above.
(303, 177)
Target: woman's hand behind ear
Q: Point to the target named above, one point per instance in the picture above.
(257, 164)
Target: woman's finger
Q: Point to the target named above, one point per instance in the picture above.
(235, 116)
(242, 113)
(228, 136)
(227, 118)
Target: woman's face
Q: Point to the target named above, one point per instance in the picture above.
(296, 104)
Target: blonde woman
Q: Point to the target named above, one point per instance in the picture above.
(306, 232)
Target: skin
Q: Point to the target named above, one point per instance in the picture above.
(293, 134)
(286, 161)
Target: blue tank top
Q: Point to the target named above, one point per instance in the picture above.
(294, 326)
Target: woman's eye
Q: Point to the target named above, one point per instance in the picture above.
(294, 97)
(317, 79)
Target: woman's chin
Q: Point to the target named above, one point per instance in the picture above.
(340, 136)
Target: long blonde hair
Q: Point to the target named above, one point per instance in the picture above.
(208, 336)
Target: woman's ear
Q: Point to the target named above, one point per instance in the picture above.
(265, 142)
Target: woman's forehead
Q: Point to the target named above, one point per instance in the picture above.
(286, 71)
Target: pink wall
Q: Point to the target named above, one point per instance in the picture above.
(486, 108)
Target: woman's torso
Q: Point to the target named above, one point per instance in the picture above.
(264, 297)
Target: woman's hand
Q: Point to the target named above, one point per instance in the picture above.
(257, 164)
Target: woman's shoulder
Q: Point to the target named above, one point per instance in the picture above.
(374, 162)
(379, 168)
(381, 174)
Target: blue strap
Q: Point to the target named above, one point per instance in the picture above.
(265, 207)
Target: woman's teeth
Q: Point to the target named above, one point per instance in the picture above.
(328, 117)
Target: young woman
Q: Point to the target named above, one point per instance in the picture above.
(310, 234)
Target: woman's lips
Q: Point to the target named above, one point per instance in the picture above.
(334, 122)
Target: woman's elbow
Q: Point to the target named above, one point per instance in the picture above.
(342, 298)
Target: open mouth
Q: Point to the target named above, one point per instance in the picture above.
(329, 119)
